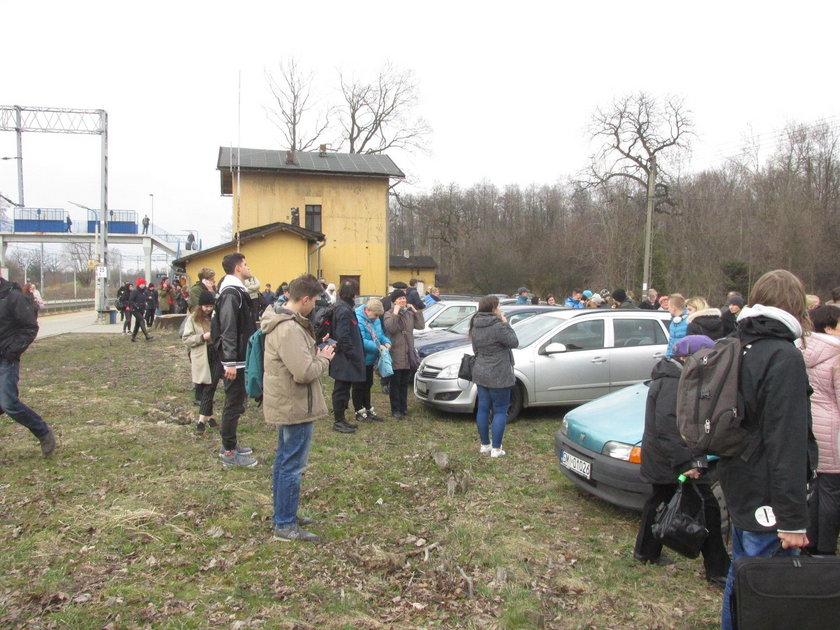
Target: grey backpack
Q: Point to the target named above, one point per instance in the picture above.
(709, 414)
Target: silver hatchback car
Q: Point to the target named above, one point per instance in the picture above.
(565, 357)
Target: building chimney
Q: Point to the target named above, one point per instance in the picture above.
(323, 151)
(290, 157)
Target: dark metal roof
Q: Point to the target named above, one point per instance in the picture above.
(257, 232)
(309, 162)
(412, 262)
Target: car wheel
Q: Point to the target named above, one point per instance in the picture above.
(516, 399)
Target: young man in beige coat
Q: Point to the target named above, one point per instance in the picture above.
(293, 398)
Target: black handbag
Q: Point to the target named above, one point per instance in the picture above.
(801, 592)
(466, 369)
(680, 524)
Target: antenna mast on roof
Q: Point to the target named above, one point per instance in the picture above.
(238, 156)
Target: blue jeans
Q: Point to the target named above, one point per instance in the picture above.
(499, 399)
(10, 402)
(748, 544)
(293, 442)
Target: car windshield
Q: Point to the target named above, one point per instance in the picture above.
(431, 310)
(462, 327)
(531, 329)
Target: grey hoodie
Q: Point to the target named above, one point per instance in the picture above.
(492, 341)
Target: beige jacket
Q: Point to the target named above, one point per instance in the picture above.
(292, 391)
(197, 348)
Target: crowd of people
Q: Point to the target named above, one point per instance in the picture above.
(790, 372)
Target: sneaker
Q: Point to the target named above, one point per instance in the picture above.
(371, 414)
(149, 337)
(200, 428)
(485, 448)
(240, 450)
(660, 561)
(237, 459)
(212, 423)
(294, 532)
(343, 427)
(362, 416)
(48, 444)
(496, 452)
(396, 415)
(305, 520)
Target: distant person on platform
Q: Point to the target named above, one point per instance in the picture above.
(191, 241)
(69, 224)
(18, 329)
(146, 224)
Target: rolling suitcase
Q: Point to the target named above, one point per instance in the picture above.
(786, 592)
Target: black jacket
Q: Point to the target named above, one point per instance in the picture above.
(18, 321)
(137, 300)
(729, 321)
(664, 454)
(151, 299)
(232, 326)
(767, 492)
(708, 323)
(349, 361)
(123, 293)
(412, 296)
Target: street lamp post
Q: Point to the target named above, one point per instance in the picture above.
(152, 227)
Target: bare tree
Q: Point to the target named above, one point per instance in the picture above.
(638, 135)
(292, 92)
(77, 256)
(379, 115)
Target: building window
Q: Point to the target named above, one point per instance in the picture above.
(313, 218)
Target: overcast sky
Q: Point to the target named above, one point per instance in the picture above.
(508, 88)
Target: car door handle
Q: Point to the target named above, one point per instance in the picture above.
(599, 360)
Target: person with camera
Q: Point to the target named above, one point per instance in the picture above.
(400, 323)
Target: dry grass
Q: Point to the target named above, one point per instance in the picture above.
(135, 524)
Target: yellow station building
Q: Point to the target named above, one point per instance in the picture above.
(305, 212)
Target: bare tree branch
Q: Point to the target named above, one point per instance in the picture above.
(292, 92)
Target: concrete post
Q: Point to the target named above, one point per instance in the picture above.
(147, 259)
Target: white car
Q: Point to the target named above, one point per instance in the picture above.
(446, 313)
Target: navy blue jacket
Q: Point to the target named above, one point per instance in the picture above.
(349, 362)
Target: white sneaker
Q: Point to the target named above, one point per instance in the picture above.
(485, 448)
(496, 452)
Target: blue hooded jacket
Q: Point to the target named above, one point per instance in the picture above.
(676, 331)
(371, 348)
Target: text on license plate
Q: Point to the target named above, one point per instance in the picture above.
(575, 464)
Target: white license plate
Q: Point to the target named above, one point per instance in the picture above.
(422, 388)
(576, 464)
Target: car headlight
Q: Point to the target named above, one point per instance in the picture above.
(626, 452)
(450, 371)
(564, 426)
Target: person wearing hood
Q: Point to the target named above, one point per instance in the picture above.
(230, 329)
(331, 294)
(677, 329)
(665, 456)
(18, 329)
(348, 366)
(293, 399)
(729, 314)
(766, 485)
(492, 342)
(821, 351)
(375, 342)
(703, 320)
(399, 324)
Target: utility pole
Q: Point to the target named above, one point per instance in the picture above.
(651, 191)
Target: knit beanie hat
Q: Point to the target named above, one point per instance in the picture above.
(206, 298)
(619, 295)
(140, 281)
(397, 293)
(691, 344)
(587, 294)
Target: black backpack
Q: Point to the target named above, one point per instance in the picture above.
(323, 322)
(709, 412)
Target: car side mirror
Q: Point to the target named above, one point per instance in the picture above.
(555, 348)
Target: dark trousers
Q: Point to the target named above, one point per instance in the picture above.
(234, 407)
(361, 391)
(127, 324)
(139, 322)
(150, 317)
(11, 404)
(340, 398)
(715, 558)
(400, 382)
(207, 391)
(824, 514)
